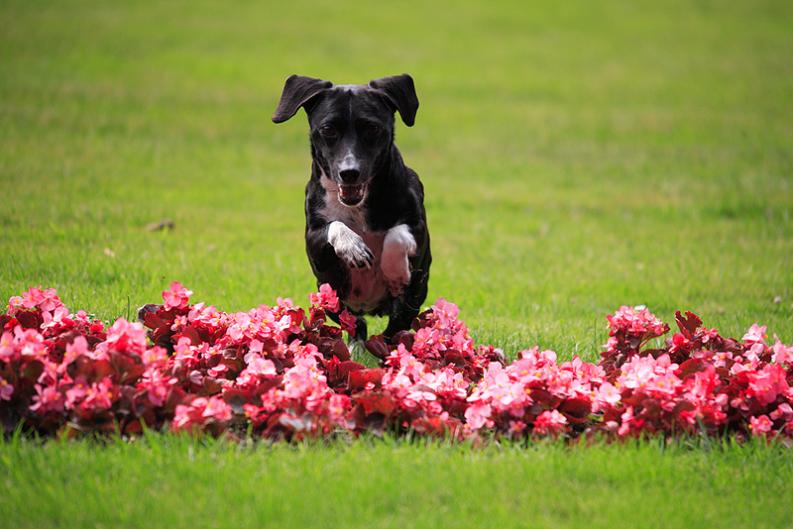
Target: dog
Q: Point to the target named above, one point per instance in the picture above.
(366, 227)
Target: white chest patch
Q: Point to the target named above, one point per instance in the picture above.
(368, 285)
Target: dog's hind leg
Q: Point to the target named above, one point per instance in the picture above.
(361, 333)
(356, 344)
(399, 321)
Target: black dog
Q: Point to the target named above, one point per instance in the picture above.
(366, 229)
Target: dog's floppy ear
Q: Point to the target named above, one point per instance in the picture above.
(298, 90)
(401, 92)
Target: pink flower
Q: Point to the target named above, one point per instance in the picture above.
(782, 354)
(550, 423)
(88, 399)
(217, 410)
(7, 346)
(338, 405)
(760, 425)
(15, 303)
(59, 317)
(74, 350)
(627, 418)
(177, 297)
(606, 397)
(755, 334)
(655, 376)
(155, 356)
(6, 389)
(636, 321)
(184, 416)
(28, 343)
(477, 415)
(158, 386)
(260, 366)
(784, 411)
(326, 298)
(201, 412)
(767, 383)
(517, 427)
(185, 354)
(219, 371)
(304, 383)
(124, 336)
(47, 399)
(47, 300)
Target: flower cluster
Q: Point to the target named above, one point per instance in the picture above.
(630, 328)
(535, 394)
(283, 372)
(699, 382)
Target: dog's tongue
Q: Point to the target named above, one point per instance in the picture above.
(351, 194)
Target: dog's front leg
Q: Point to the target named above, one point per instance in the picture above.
(349, 246)
(398, 246)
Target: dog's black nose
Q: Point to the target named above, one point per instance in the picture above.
(349, 176)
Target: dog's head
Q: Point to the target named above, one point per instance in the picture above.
(352, 126)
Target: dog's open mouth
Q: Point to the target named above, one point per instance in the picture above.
(351, 195)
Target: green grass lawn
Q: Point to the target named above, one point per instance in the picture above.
(172, 482)
(576, 156)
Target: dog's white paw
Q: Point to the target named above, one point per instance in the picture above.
(349, 246)
(398, 245)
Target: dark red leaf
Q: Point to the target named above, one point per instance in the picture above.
(188, 332)
(406, 338)
(576, 408)
(361, 377)
(29, 319)
(377, 346)
(689, 324)
(376, 403)
(689, 367)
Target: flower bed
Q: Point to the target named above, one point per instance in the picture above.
(283, 373)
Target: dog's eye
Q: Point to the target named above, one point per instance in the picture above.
(328, 131)
(372, 129)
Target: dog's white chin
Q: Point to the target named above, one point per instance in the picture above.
(352, 195)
